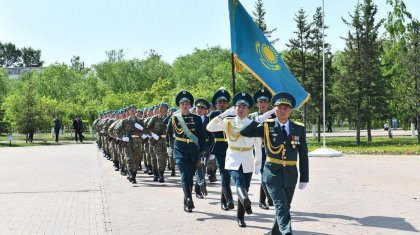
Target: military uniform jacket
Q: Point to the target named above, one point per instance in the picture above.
(156, 125)
(282, 152)
(218, 144)
(240, 148)
(183, 146)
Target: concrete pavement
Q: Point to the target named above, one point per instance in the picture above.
(72, 189)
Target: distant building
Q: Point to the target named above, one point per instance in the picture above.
(14, 73)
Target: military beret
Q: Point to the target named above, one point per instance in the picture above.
(164, 105)
(283, 98)
(202, 103)
(262, 94)
(184, 96)
(221, 94)
(242, 98)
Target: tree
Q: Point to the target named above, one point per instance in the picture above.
(297, 56)
(23, 110)
(10, 54)
(364, 83)
(315, 74)
(401, 61)
(31, 57)
(259, 19)
(77, 64)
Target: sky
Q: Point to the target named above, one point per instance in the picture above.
(88, 28)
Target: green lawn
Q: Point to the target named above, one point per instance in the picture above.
(379, 145)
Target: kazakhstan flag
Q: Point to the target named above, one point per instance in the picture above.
(252, 50)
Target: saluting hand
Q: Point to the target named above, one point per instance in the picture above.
(229, 112)
(265, 115)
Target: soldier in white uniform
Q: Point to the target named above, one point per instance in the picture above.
(240, 160)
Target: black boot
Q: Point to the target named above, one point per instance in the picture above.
(229, 199)
(203, 189)
(212, 177)
(240, 215)
(223, 203)
(156, 175)
(122, 169)
(161, 177)
(150, 172)
(243, 196)
(117, 165)
(262, 203)
(133, 179)
(140, 166)
(146, 169)
(173, 171)
(129, 175)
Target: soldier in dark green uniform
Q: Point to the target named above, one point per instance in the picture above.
(284, 140)
(262, 98)
(189, 143)
(201, 107)
(218, 148)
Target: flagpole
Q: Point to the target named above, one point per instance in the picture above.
(232, 61)
(324, 151)
(323, 70)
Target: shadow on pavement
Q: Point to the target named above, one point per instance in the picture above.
(396, 223)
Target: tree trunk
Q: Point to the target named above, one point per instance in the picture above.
(357, 127)
(369, 131)
(304, 115)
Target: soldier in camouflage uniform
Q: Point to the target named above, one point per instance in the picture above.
(171, 160)
(157, 129)
(148, 157)
(152, 142)
(113, 138)
(139, 116)
(129, 130)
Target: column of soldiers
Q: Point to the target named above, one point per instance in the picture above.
(161, 137)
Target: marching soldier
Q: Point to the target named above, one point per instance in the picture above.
(146, 145)
(284, 139)
(239, 155)
(201, 107)
(262, 98)
(188, 145)
(157, 129)
(218, 149)
(171, 161)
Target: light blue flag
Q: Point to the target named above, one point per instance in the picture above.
(252, 50)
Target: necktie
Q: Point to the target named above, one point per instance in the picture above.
(283, 129)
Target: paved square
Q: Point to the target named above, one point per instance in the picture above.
(72, 189)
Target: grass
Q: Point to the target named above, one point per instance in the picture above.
(379, 145)
(41, 139)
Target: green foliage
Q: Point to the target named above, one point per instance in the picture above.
(31, 57)
(381, 145)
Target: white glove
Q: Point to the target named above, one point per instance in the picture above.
(265, 115)
(125, 139)
(138, 126)
(211, 157)
(302, 185)
(229, 112)
(143, 136)
(169, 151)
(257, 170)
(156, 137)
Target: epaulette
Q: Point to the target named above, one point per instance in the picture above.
(269, 120)
(297, 123)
